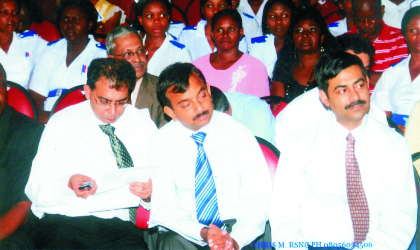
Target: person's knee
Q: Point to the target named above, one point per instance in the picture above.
(172, 240)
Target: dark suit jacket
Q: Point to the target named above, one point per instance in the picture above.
(147, 98)
(19, 138)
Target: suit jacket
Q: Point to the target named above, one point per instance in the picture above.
(147, 98)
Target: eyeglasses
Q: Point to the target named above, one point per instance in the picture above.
(370, 19)
(104, 103)
(129, 55)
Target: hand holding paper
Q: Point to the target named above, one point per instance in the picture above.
(142, 189)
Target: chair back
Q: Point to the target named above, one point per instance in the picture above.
(20, 99)
(68, 98)
(271, 155)
(275, 100)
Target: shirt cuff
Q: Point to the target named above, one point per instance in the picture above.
(145, 205)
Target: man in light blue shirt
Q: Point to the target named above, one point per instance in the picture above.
(249, 110)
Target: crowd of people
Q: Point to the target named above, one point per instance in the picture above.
(171, 117)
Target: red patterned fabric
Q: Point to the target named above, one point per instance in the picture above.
(359, 209)
(390, 47)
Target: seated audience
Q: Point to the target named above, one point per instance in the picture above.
(228, 68)
(64, 63)
(398, 89)
(126, 43)
(163, 48)
(294, 70)
(388, 41)
(275, 25)
(109, 16)
(344, 25)
(249, 110)
(198, 38)
(18, 52)
(307, 107)
(412, 133)
(353, 184)
(84, 151)
(19, 138)
(207, 165)
(31, 18)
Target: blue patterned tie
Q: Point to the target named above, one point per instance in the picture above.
(122, 157)
(205, 189)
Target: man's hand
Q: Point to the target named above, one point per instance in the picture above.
(77, 180)
(218, 239)
(142, 189)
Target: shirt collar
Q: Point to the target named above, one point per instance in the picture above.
(185, 133)
(340, 133)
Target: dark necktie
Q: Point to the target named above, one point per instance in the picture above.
(205, 188)
(359, 209)
(122, 157)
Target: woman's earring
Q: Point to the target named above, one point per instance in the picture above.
(322, 49)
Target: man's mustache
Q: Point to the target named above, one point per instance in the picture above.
(351, 105)
(199, 115)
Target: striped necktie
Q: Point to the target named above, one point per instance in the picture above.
(359, 209)
(205, 189)
(122, 157)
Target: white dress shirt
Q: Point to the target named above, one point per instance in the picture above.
(263, 48)
(245, 8)
(135, 92)
(73, 143)
(254, 113)
(305, 108)
(395, 91)
(240, 174)
(310, 195)
(51, 72)
(194, 37)
(170, 52)
(251, 27)
(338, 28)
(22, 57)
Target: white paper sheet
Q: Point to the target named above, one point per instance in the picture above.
(113, 192)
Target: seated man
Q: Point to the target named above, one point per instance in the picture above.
(125, 43)
(205, 156)
(388, 41)
(19, 138)
(249, 110)
(80, 144)
(353, 184)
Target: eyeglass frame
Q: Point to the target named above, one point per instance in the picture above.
(109, 103)
(143, 51)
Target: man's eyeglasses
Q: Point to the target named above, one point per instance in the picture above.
(107, 103)
(129, 55)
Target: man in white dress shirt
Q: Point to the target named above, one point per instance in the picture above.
(347, 178)
(228, 161)
(79, 145)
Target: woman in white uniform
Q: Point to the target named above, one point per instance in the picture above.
(64, 63)
(163, 48)
(398, 89)
(197, 38)
(275, 25)
(18, 52)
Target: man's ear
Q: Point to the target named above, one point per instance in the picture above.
(169, 112)
(208, 89)
(88, 91)
(324, 98)
(382, 11)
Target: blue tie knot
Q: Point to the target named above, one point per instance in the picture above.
(199, 138)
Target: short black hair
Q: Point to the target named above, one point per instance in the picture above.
(357, 44)
(141, 5)
(85, 5)
(331, 64)
(219, 100)
(410, 14)
(378, 4)
(177, 77)
(288, 3)
(203, 2)
(119, 73)
(227, 12)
